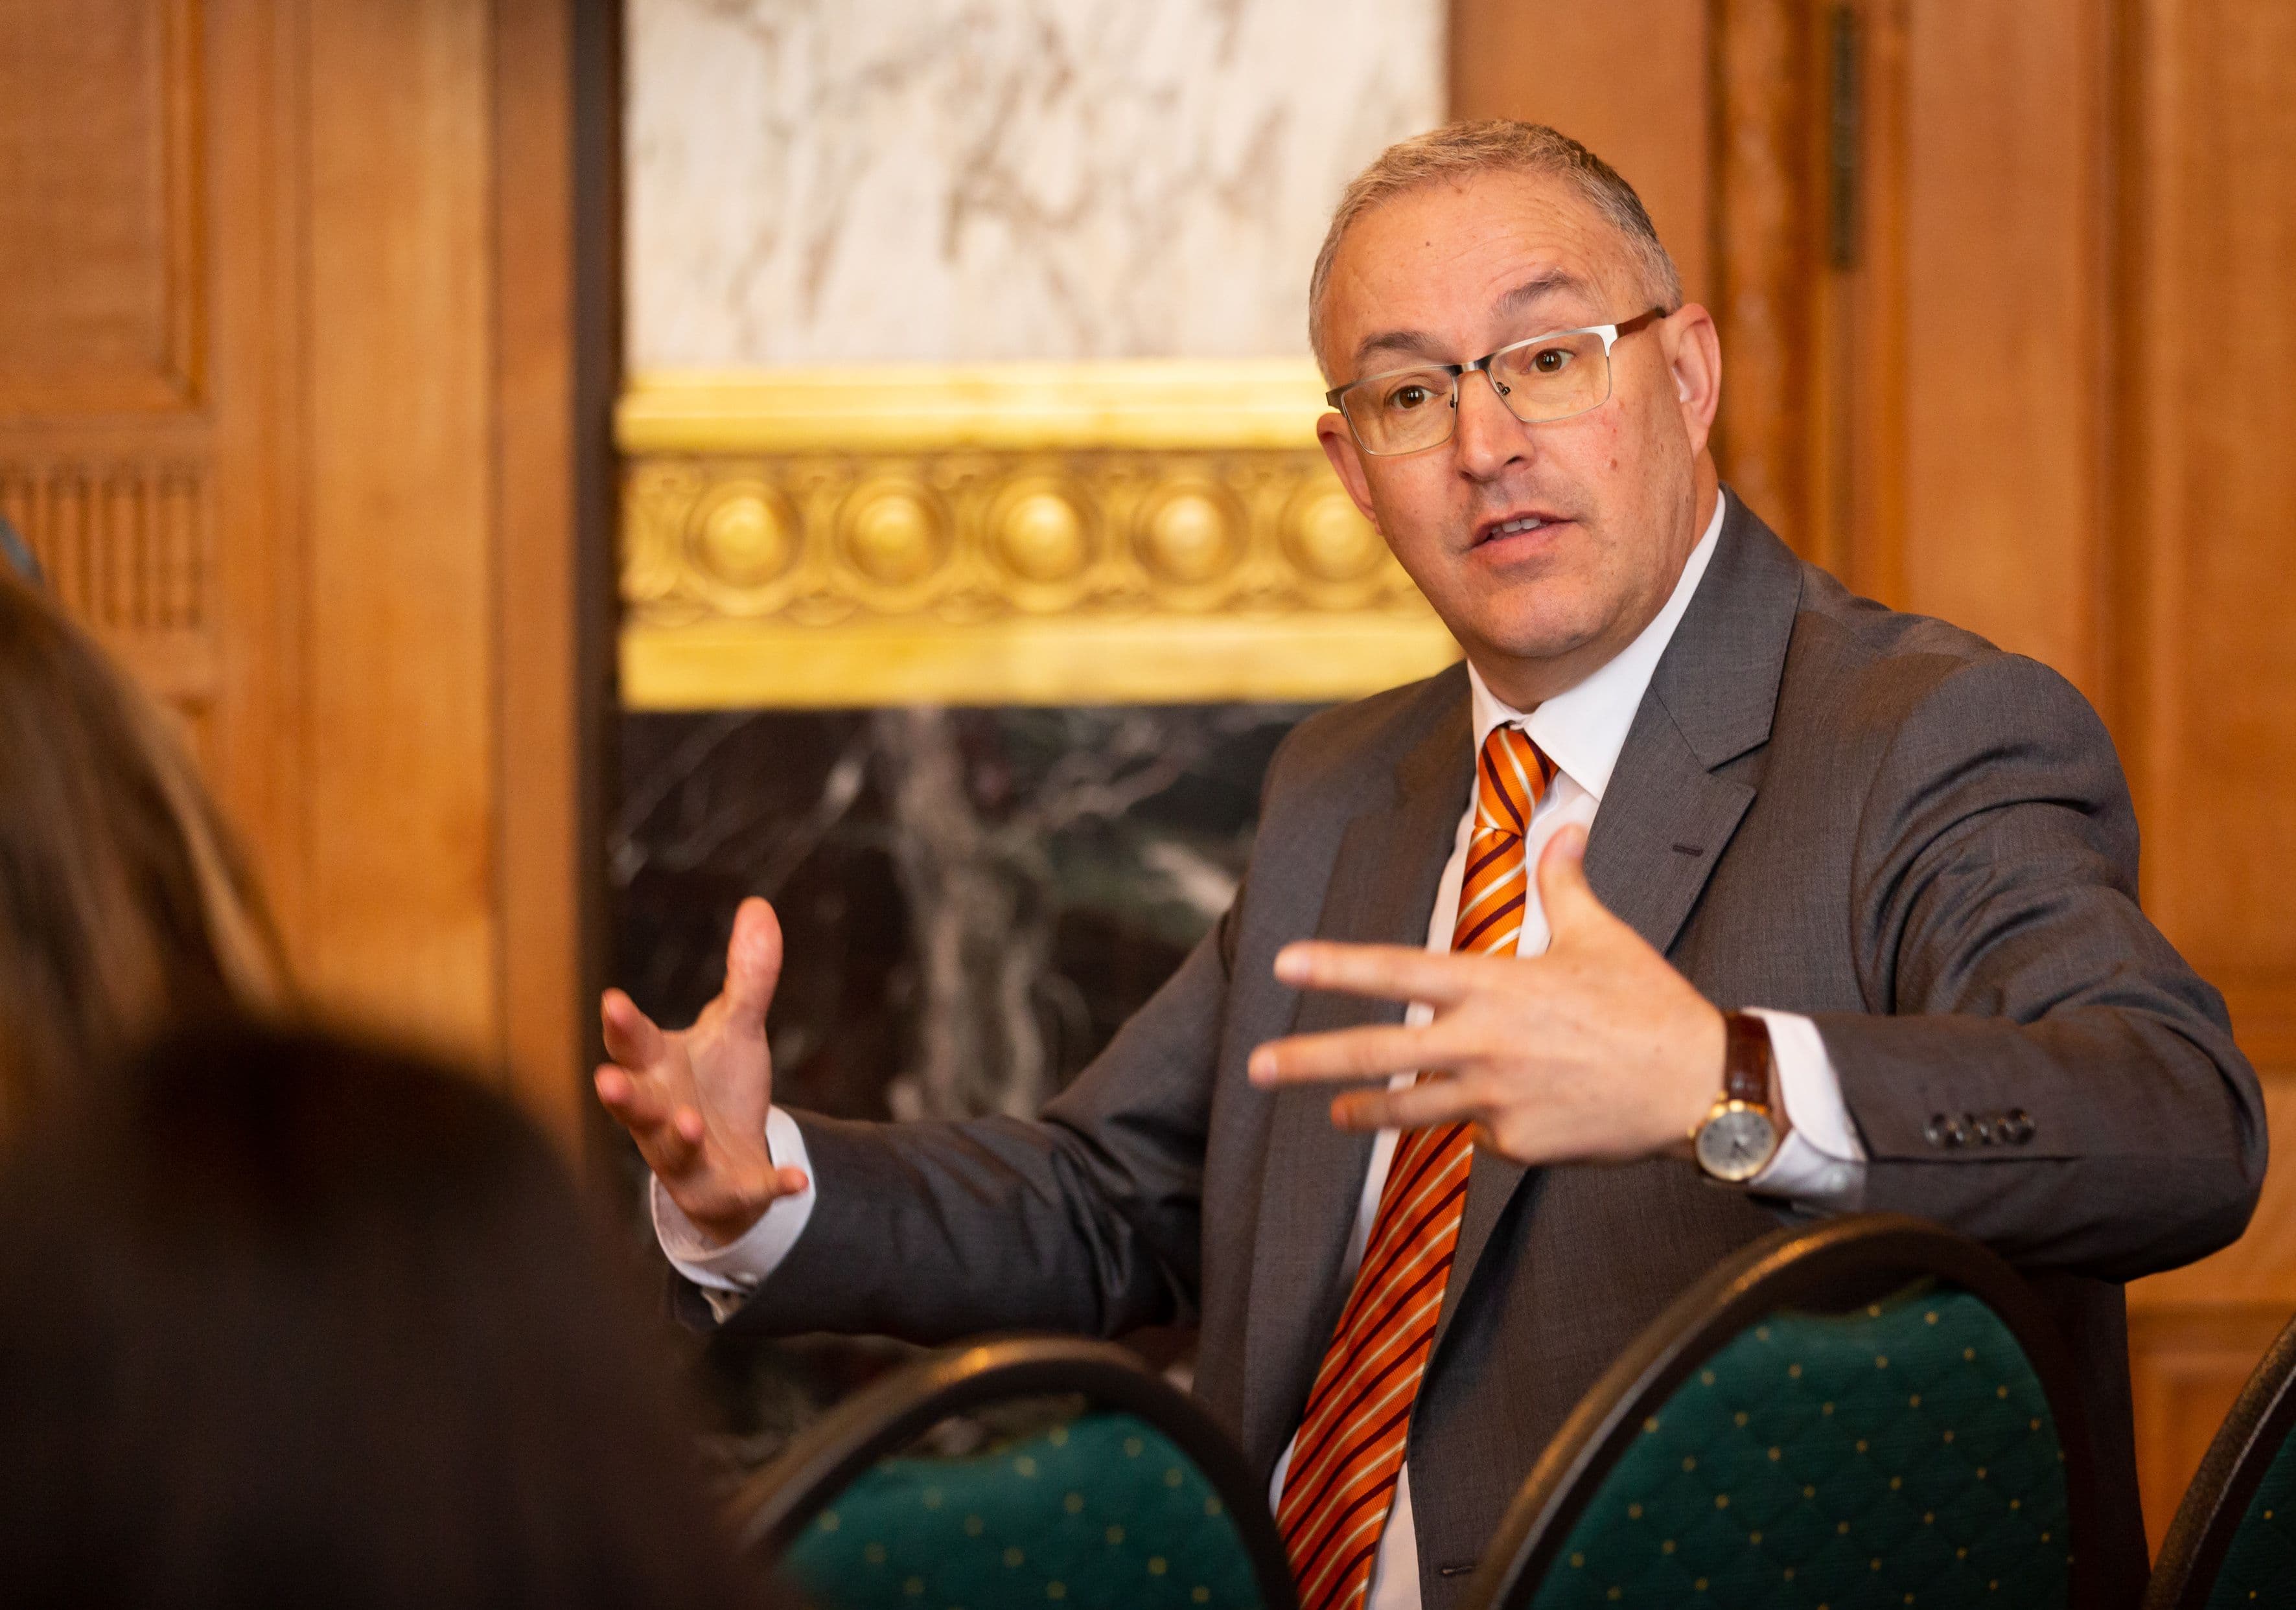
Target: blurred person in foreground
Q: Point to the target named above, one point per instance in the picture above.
(126, 903)
(285, 1319)
(1702, 897)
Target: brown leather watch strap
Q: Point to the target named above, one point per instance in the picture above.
(1746, 1060)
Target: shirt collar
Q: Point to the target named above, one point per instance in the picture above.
(1582, 730)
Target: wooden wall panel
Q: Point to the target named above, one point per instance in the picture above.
(1765, 152)
(106, 450)
(2189, 1365)
(2208, 489)
(99, 214)
(1628, 78)
(287, 406)
(251, 195)
(549, 842)
(400, 744)
(2003, 310)
(2212, 333)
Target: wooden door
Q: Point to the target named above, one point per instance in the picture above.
(293, 409)
(2003, 295)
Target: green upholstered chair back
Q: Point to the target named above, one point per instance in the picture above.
(1874, 1412)
(2233, 1541)
(1036, 1472)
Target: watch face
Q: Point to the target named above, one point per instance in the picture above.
(1736, 1143)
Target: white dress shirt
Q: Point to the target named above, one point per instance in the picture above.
(1820, 1166)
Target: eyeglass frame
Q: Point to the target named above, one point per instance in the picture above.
(1611, 335)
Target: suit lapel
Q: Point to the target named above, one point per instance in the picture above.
(1666, 816)
(1662, 826)
(1382, 886)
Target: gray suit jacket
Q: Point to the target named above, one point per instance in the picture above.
(1824, 806)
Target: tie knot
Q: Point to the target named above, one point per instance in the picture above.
(1510, 774)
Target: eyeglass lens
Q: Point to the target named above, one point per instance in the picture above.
(1549, 379)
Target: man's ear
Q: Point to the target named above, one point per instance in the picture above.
(1339, 445)
(1693, 359)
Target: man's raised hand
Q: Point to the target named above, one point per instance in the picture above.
(1596, 1051)
(695, 1099)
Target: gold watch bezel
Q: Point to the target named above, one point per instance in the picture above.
(1730, 1107)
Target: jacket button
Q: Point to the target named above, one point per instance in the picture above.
(1936, 1130)
(2018, 1126)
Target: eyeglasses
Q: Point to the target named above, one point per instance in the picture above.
(1548, 376)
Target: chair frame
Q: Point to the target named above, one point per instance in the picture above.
(1835, 1266)
(774, 1506)
(2262, 1419)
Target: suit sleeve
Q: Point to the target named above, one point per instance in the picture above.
(2038, 1067)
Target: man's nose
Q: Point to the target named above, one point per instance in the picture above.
(1485, 437)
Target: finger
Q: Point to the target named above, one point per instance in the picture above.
(631, 1039)
(753, 961)
(1564, 893)
(1387, 972)
(1350, 1053)
(1419, 1106)
(746, 1198)
(669, 1142)
(674, 1148)
(632, 1100)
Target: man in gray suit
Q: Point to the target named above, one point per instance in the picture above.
(1410, 1134)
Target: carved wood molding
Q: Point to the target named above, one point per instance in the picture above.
(124, 545)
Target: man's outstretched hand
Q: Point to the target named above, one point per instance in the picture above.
(695, 1099)
(1596, 1051)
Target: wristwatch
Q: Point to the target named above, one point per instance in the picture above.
(1740, 1133)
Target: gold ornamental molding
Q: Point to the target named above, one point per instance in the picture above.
(1009, 534)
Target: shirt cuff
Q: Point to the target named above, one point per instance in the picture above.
(729, 1273)
(1821, 1165)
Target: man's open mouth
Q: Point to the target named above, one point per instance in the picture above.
(1514, 525)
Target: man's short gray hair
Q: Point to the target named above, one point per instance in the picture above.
(1458, 151)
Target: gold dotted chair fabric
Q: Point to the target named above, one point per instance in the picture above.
(1047, 1473)
(2232, 1543)
(1903, 1453)
(2259, 1568)
(1852, 1417)
(1104, 1510)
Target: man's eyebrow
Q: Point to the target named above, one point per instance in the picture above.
(1539, 287)
(1418, 343)
(1412, 343)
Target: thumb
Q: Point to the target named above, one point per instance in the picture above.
(1563, 892)
(753, 961)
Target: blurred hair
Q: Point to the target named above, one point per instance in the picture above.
(125, 902)
(1459, 151)
(289, 1320)
(17, 552)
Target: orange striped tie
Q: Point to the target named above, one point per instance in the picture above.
(1350, 1451)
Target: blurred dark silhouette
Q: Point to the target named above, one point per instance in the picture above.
(286, 1320)
(126, 903)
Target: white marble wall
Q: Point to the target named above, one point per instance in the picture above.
(844, 181)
